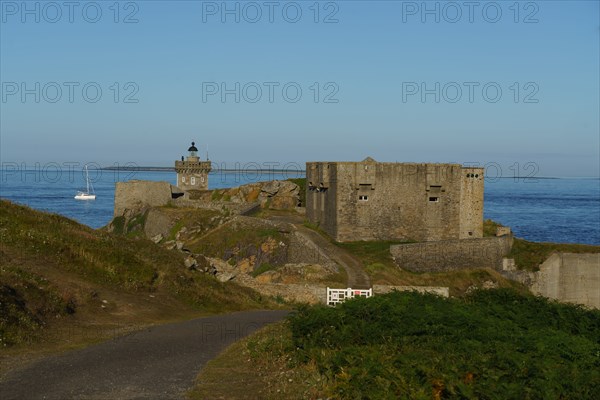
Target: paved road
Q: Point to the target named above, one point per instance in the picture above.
(157, 363)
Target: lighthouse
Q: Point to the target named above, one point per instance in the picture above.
(192, 173)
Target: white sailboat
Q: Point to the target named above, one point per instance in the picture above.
(87, 195)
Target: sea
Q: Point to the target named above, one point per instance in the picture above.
(564, 210)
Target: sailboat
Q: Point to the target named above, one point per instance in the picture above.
(87, 195)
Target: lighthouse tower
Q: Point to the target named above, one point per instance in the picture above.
(192, 173)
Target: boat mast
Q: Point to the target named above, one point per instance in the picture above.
(87, 179)
(90, 183)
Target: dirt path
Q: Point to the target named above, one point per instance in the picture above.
(157, 363)
(357, 277)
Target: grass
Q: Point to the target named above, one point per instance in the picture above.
(492, 344)
(264, 267)
(25, 301)
(258, 367)
(379, 265)
(55, 272)
(490, 227)
(381, 268)
(217, 195)
(175, 229)
(200, 220)
(529, 255)
(135, 226)
(371, 252)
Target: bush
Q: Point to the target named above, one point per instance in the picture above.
(491, 344)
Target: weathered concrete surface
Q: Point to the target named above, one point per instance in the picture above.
(450, 255)
(313, 294)
(369, 200)
(136, 194)
(569, 277)
(437, 290)
(303, 250)
(156, 363)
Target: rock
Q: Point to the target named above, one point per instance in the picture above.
(271, 188)
(170, 245)
(489, 285)
(268, 246)
(269, 277)
(246, 265)
(156, 239)
(219, 265)
(180, 233)
(179, 245)
(203, 264)
(503, 230)
(283, 195)
(508, 264)
(158, 222)
(284, 202)
(190, 262)
(224, 277)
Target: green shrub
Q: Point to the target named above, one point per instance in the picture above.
(493, 344)
(119, 225)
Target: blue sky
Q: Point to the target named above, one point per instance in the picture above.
(378, 78)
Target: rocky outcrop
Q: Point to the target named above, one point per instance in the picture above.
(158, 224)
(275, 195)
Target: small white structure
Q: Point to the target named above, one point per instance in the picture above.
(89, 192)
(336, 296)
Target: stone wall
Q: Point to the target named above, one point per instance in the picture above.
(368, 200)
(312, 294)
(304, 250)
(136, 194)
(437, 290)
(450, 255)
(192, 174)
(471, 201)
(569, 277)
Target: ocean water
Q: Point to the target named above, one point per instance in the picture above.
(546, 210)
(551, 210)
(54, 191)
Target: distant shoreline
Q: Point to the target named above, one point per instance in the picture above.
(172, 169)
(4, 170)
(283, 171)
